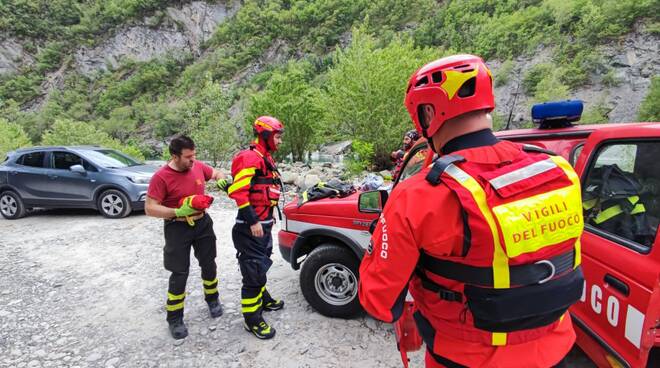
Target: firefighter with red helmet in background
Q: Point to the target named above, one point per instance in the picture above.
(399, 156)
(486, 239)
(256, 190)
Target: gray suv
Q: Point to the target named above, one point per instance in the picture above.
(72, 177)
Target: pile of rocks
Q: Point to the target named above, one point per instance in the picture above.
(303, 175)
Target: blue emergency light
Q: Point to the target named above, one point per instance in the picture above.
(557, 114)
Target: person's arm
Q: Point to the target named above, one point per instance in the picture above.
(244, 168)
(153, 208)
(389, 263)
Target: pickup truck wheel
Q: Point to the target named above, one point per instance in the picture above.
(113, 204)
(329, 281)
(11, 205)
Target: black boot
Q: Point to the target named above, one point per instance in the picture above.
(271, 304)
(215, 308)
(178, 329)
(260, 329)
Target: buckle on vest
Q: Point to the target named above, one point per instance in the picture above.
(553, 270)
(450, 295)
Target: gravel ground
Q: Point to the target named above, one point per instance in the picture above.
(78, 290)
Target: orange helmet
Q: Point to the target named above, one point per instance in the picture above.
(452, 86)
(265, 128)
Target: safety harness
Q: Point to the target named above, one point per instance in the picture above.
(519, 271)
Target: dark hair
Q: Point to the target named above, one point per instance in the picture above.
(179, 143)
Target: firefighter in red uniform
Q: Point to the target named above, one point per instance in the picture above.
(170, 197)
(399, 156)
(256, 190)
(486, 239)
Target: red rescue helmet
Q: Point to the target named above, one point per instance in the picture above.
(265, 128)
(452, 86)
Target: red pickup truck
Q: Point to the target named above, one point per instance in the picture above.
(618, 316)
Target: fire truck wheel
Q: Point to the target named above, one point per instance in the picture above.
(329, 281)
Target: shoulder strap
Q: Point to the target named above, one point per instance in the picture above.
(440, 165)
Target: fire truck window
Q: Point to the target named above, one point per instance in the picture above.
(620, 195)
(414, 165)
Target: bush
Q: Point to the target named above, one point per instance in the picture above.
(12, 137)
(363, 93)
(534, 75)
(361, 157)
(649, 110)
(503, 74)
(290, 97)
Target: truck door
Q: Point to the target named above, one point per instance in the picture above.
(620, 304)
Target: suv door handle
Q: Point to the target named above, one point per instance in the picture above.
(617, 284)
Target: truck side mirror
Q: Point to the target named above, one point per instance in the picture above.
(372, 201)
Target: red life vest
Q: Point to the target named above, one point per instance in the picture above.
(519, 271)
(265, 186)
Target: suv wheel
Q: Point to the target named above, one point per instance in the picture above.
(329, 281)
(114, 204)
(11, 206)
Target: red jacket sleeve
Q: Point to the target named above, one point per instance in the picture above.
(388, 265)
(243, 168)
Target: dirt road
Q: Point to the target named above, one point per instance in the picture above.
(78, 290)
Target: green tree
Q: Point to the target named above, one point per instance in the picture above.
(649, 110)
(12, 137)
(209, 123)
(68, 132)
(289, 97)
(362, 97)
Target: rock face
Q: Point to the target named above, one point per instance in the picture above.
(182, 31)
(633, 60)
(12, 56)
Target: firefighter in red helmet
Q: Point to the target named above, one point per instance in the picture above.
(256, 190)
(486, 239)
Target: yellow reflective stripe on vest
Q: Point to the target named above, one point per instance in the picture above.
(250, 171)
(498, 339)
(575, 179)
(210, 291)
(239, 184)
(244, 205)
(501, 278)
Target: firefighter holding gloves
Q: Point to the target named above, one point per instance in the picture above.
(486, 239)
(176, 194)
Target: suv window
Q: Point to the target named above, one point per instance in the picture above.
(32, 159)
(414, 164)
(621, 194)
(64, 161)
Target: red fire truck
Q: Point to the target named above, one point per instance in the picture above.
(618, 317)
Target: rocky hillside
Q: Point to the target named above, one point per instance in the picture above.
(141, 70)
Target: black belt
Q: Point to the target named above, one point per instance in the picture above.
(528, 274)
(267, 181)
